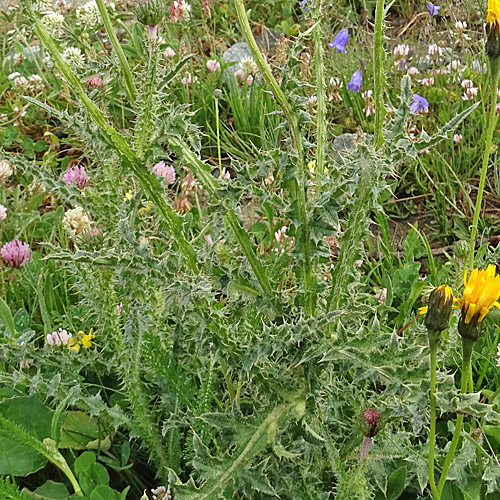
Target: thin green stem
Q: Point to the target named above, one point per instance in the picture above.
(303, 233)
(486, 159)
(467, 347)
(320, 94)
(432, 429)
(127, 74)
(378, 63)
(217, 129)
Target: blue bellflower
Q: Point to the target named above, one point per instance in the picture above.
(304, 3)
(356, 80)
(340, 41)
(432, 9)
(419, 104)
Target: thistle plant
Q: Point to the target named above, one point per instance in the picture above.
(226, 344)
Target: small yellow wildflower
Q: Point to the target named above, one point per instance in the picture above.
(481, 292)
(74, 345)
(128, 196)
(81, 339)
(87, 339)
(312, 165)
(493, 15)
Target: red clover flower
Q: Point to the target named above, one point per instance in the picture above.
(76, 175)
(16, 253)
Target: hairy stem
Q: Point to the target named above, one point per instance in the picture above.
(486, 159)
(127, 74)
(432, 430)
(378, 63)
(321, 94)
(467, 346)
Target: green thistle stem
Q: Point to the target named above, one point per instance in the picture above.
(217, 127)
(321, 94)
(127, 74)
(495, 71)
(378, 63)
(467, 347)
(303, 233)
(432, 430)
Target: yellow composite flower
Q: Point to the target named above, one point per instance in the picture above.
(481, 292)
(493, 15)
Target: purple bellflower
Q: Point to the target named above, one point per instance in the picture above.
(419, 104)
(356, 80)
(432, 9)
(340, 41)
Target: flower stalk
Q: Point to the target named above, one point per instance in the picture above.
(467, 348)
(378, 63)
(297, 143)
(320, 93)
(127, 74)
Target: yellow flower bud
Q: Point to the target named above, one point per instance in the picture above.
(439, 309)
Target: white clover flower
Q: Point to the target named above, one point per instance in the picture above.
(74, 57)
(47, 60)
(76, 222)
(186, 10)
(467, 84)
(457, 138)
(54, 23)
(13, 76)
(6, 169)
(427, 82)
(461, 26)
(35, 84)
(401, 51)
(249, 66)
(19, 57)
(434, 50)
(43, 6)
(3, 213)
(470, 94)
(169, 53)
(20, 81)
(413, 71)
(87, 15)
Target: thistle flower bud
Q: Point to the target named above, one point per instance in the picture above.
(150, 12)
(439, 310)
(371, 419)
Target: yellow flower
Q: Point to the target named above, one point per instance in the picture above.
(493, 15)
(87, 339)
(82, 339)
(128, 196)
(74, 345)
(481, 292)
